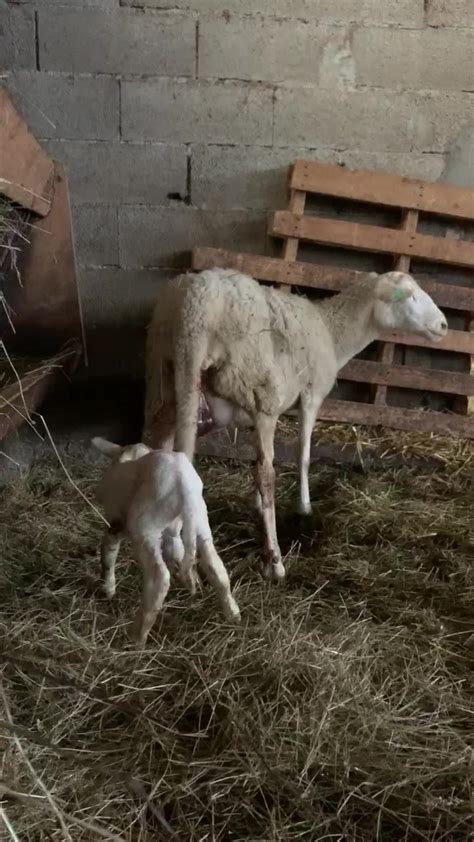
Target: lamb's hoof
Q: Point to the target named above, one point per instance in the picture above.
(274, 569)
(108, 591)
(305, 508)
(232, 611)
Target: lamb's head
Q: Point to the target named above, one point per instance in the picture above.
(129, 453)
(401, 304)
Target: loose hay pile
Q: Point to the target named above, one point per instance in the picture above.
(341, 709)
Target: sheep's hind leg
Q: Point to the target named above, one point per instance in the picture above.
(160, 409)
(108, 556)
(308, 411)
(156, 583)
(265, 478)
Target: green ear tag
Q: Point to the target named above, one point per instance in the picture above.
(397, 295)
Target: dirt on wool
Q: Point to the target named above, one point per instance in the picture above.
(340, 709)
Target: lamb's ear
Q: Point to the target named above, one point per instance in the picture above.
(107, 447)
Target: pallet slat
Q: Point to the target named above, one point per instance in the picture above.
(418, 420)
(407, 377)
(315, 276)
(371, 238)
(382, 188)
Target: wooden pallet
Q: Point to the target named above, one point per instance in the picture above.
(411, 198)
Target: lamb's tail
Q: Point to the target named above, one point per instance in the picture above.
(190, 353)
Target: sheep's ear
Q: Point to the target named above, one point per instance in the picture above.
(107, 447)
(398, 294)
(393, 293)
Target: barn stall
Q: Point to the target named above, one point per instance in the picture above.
(340, 708)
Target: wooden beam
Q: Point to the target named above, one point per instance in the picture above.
(316, 275)
(218, 446)
(290, 246)
(470, 400)
(407, 377)
(350, 412)
(460, 341)
(372, 238)
(382, 188)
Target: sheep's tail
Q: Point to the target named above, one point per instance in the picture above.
(189, 358)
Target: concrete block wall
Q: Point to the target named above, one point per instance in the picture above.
(177, 119)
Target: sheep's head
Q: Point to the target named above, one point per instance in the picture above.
(129, 453)
(401, 304)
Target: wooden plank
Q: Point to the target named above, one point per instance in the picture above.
(25, 170)
(49, 308)
(350, 412)
(456, 340)
(315, 275)
(407, 377)
(296, 205)
(470, 400)
(219, 446)
(409, 222)
(372, 238)
(382, 188)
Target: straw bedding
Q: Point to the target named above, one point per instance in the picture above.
(341, 708)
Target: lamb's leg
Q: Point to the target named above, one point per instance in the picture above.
(213, 567)
(308, 411)
(265, 478)
(108, 556)
(156, 582)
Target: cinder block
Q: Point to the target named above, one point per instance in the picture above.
(91, 41)
(186, 111)
(17, 38)
(53, 4)
(119, 297)
(68, 107)
(95, 235)
(439, 119)
(254, 177)
(117, 305)
(269, 49)
(372, 119)
(436, 59)
(428, 167)
(450, 13)
(402, 12)
(151, 237)
(115, 173)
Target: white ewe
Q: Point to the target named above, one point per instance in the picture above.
(255, 352)
(151, 496)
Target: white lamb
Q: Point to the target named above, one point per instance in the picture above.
(254, 352)
(151, 496)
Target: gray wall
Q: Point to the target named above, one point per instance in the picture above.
(177, 124)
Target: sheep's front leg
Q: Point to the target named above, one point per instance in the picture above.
(156, 583)
(265, 478)
(108, 556)
(308, 410)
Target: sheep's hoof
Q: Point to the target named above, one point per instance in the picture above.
(108, 591)
(274, 569)
(305, 508)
